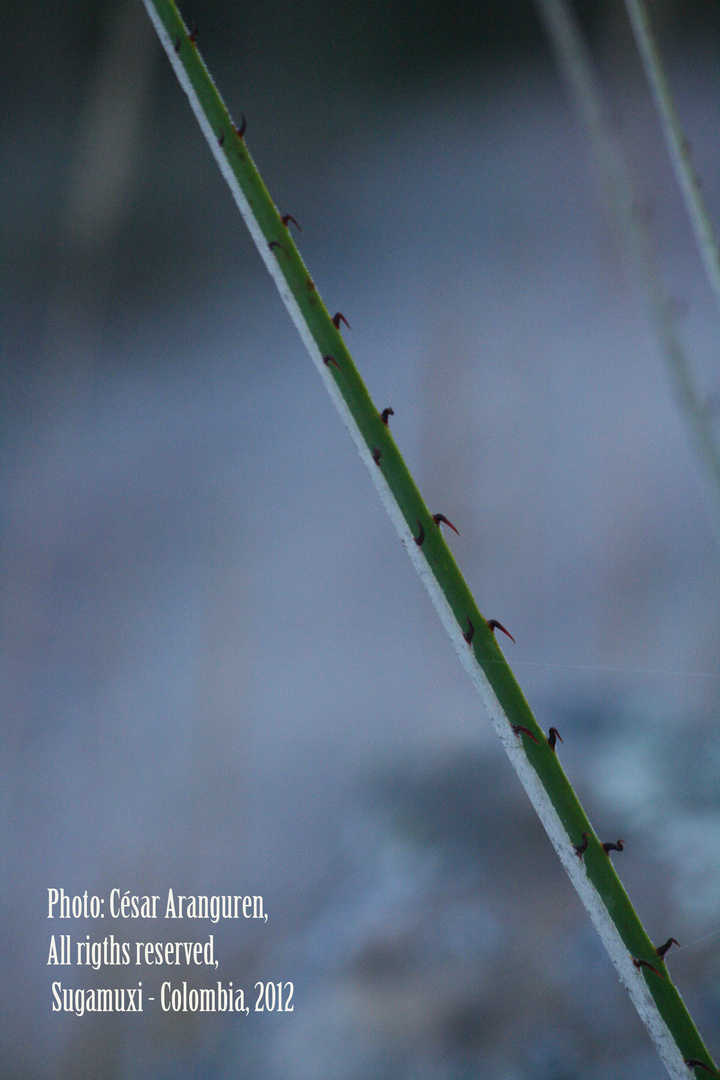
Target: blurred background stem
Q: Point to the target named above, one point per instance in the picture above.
(677, 144)
(577, 67)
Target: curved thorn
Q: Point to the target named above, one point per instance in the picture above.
(288, 217)
(385, 413)
(640, 963)
(221, 138)
(662, 949)
(495, 625)
(421, 535)
(327, 360)
(608, 847)
(274, 244)
(553, 736)
(177, 44)
(580, 849)
(193, 33)
(240, 131)
(437, 518)
(696, 1063)
(520, 730)
(470, 633)
(376, 454)
(337, 318)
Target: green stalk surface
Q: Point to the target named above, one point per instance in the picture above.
(536, 762)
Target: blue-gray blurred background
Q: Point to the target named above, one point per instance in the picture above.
(220, 673)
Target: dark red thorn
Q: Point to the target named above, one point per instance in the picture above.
(337, 318)
(553, 736)
(193, 33)
(177, 44)
(331, 360)
(662, 949)
(221, 138)
(639, 963)
(240, 131)
(495, 625)
(470, 633)
(580, 849)
(310, 283)
(274, 244)
(421, 535)
(288, 217)
(520, 730)
(608, 847)
(696, 1063)
(385, 413)
(376, 454)
(437, 518)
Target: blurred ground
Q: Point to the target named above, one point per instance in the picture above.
(219, 671)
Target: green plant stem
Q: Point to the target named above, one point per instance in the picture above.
(536, 763)
(677, 144)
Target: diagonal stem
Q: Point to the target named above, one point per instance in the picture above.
(531, 753)
(677, 144)
(584, 88)
(585, 91)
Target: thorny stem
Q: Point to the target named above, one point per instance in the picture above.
(676, 142)
(532, 756)
(585, 90)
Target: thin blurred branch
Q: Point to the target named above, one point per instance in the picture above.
(578, 70)
(677, 144)
(100, 177)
